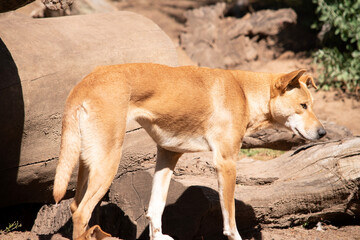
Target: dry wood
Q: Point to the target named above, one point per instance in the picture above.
(40, 62)
(316, 182)
(282, 139)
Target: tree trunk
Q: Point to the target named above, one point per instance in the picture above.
(316, 182)
(41, 60)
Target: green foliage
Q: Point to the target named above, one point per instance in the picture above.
(306, 225)
(12, 227)
(339, 65)
(261, 153)
(338, 69)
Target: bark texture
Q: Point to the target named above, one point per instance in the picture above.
(283, 139)
(40, 62)
(318, 182)
(315, 182)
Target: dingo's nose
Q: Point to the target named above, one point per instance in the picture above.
(321, 132)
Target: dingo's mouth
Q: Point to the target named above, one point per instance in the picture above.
(298, 132)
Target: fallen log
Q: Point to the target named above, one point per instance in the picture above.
(315, 182)
(40, 62)
(318, 182)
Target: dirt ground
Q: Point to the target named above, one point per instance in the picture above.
(296, 233)
(299, 233)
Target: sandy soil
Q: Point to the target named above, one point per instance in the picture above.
(299, 233)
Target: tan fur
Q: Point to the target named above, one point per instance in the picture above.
(94, 233)
(184, 109)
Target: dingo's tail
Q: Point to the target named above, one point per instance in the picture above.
(69, 151)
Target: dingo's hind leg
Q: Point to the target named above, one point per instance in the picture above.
(81, 185)
(102, 135)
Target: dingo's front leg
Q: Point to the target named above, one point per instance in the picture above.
(165, 164)
(226, 171)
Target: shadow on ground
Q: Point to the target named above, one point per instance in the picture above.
(197, 215)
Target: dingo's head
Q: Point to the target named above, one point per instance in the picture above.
(291, 105)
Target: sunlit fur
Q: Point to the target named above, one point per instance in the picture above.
(287, 110)
(183, 109)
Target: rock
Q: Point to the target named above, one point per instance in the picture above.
(51, 218)
(264, 22)
(78, 7)
(212, 40)
(54, 221)
(57, 4)
(40, 61)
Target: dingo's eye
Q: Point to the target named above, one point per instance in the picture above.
(304, 106)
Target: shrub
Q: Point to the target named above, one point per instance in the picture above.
(339, 60)
(12, 227)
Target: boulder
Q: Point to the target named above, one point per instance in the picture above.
(54, 221)
(40, 61)
(57, 4)
(212, 40)
(51, 218)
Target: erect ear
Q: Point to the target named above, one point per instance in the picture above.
(289, 80)
(308, 80)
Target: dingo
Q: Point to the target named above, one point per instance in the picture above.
(184, 109)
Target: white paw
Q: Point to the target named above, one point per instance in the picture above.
(162, 237)
(232, 235)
